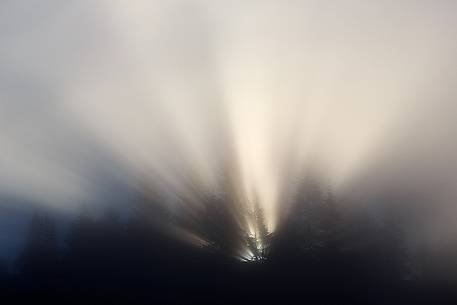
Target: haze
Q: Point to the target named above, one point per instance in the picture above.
(165, 92)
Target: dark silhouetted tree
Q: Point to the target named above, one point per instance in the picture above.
(39, 261)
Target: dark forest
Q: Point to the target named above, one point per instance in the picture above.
(320, 255)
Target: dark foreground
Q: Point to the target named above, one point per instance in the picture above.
(320, 256)
(176, 274)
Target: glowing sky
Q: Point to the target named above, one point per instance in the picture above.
(362, 90)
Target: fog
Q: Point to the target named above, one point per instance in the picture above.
(100, 94)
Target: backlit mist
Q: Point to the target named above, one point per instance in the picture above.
(181, 96)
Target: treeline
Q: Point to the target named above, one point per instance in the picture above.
(320, 254)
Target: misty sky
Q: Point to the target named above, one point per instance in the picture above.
(97, 94)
